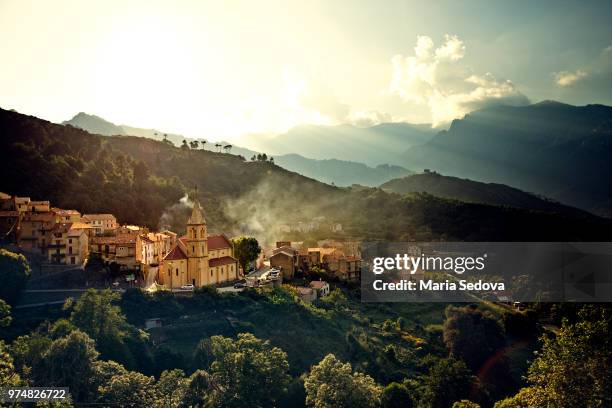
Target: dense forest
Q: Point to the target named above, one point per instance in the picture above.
(265, 347)
(138, 179)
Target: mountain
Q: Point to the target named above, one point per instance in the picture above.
(97, 125)
(379, 144)
(558, 150)
(94, 124)
(338, 172)
(473, 192)
(142, 182)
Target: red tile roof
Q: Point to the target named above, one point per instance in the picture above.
(224, 260)
(175, 254)
(218, 242)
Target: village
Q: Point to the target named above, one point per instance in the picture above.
(135, 256)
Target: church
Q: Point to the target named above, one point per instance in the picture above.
(199, 259)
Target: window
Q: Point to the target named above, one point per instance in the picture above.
(193, 249)
(72, 260)
(169, 271)
(202, 232)
(211, 272)
(176, 271)
(69, 250)
(70, 241)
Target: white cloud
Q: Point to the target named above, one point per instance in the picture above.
(565, 79)
(433, 77)
(368, 118)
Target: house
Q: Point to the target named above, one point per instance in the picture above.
(197, 258)
(321, 287)
(35, 231)
(308, 295)
(285, 258)
(68, 244)
(120, 249)
(102, 223)
(66, 216)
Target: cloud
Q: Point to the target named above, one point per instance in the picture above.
(433, 77)
(368, 118)
(565, 79)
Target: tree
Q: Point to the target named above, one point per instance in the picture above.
(246, 250)
(171, 388)
(185, 146)
(203, 355)
(227, 148)
(396, 395)
(5, 314)
(130, 389)
(141, 173)
(448, 380)
(573, 368)
(69, 362)
(14, 272)
(332, 383)
(198, 389)
(194, 144)
(471, 335)
(95, 314)
(27, 352)
(8, 375)
(465, 404)
(248, 371)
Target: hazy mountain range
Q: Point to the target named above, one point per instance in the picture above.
(558, 150)
(473, 192)
(339, 172)
(379, 144)
(552, 149)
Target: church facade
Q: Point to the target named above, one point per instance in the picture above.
(199, 259)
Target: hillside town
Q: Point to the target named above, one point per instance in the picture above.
(66, 239)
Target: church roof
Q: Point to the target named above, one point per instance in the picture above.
(175, 254)
(197, 217)
(218, 242)
(224, 260)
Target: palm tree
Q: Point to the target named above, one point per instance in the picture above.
(227, 148)
(218, 146)
(194, 144)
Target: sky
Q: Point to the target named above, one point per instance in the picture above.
(225, 69)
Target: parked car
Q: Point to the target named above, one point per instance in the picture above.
(189, 286)
(240, 285)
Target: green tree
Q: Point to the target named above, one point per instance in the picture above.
(448, 380)
(5, 314)
(130, 389)
(203, 355)
(8, 375)
(465, 404)
(332, 384)
(171, 388)
(574, 368)
(246, 250)
(27, 352)
(249, 371)
(69, 362)
(14, 272)
(95, 314)
(396, 395)
(472, 335)
(198, 390)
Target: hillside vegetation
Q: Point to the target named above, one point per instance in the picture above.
(473, 192)
(140, 179)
